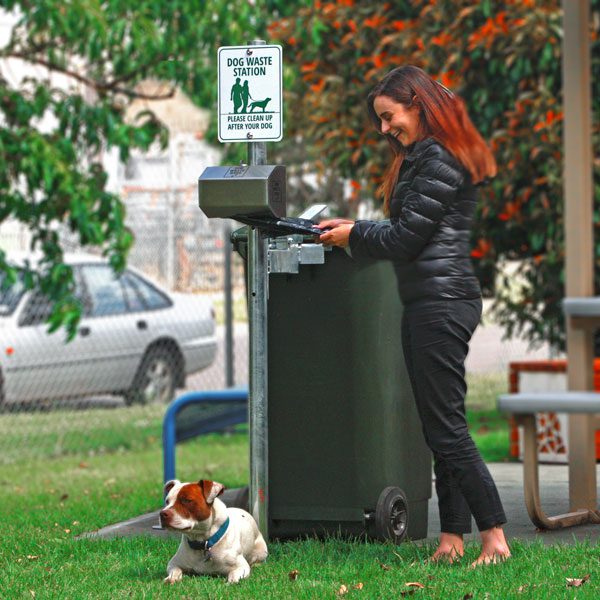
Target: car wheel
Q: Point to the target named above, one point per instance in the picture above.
(155, 380)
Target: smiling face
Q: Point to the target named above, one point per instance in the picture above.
(398, 120)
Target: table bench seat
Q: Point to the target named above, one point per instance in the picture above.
(563, 402)
(582, 307)
(524, 406)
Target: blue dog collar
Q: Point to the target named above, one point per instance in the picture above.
(206, 545)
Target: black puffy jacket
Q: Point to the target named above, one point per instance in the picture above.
(428, 235)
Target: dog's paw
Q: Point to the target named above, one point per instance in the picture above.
(173, 577)
(238, 574)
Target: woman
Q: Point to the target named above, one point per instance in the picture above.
(430, 196)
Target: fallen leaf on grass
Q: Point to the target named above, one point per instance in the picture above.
(572, 582)
(83, 465)
(293, 575)
(358, 586)
(64, 497)
(407, 593)
(414, 584)
(468, 596)
(384, 566)
(343, 590)
(32, 556)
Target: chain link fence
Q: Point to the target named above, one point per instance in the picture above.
(145, 337)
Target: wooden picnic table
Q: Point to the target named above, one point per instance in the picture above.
(583, 408)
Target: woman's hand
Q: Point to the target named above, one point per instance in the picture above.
(338, 236)
(331, 223)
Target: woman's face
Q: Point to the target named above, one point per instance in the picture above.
(397, 120)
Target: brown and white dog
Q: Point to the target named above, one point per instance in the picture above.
(216, 540)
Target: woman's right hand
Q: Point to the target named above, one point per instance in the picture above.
(332, 223)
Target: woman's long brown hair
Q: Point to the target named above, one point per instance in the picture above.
(443, 116)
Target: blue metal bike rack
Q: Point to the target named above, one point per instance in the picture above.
(173, 432)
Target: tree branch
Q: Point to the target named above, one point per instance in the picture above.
(101, 88)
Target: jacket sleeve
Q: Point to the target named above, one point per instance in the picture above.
(433, 188)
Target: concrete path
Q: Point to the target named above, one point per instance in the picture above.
(509, 479)
(554, 491)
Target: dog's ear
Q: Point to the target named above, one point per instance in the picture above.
(211, 489)
(169, 486)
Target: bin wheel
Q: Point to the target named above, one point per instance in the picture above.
(391, 515)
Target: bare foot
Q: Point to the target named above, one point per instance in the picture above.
(450, 548)
(494, 548)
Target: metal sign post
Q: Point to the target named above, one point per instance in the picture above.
(257, 308)
(250, 110)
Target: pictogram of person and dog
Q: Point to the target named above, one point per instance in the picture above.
(240, 95)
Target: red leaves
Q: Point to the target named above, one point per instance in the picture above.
(317, 88)
(374, 22)
(482, 249)
(551, 117)
(443, 39)
(378, 60)
(449, 78)
(488, 32)
(309, 67)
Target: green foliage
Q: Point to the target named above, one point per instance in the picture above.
(504, 59)
(52, 134)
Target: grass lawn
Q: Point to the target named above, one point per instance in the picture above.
(489, 428)
(56, 486)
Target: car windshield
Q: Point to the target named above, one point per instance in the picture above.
(10, 294)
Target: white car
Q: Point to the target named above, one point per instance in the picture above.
(134, 338)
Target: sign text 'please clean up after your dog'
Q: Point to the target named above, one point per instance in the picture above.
(250, 93)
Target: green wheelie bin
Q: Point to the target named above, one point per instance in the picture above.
(346, 453)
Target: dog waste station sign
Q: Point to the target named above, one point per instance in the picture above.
(250, 93)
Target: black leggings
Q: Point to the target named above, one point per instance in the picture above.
(435, 340)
